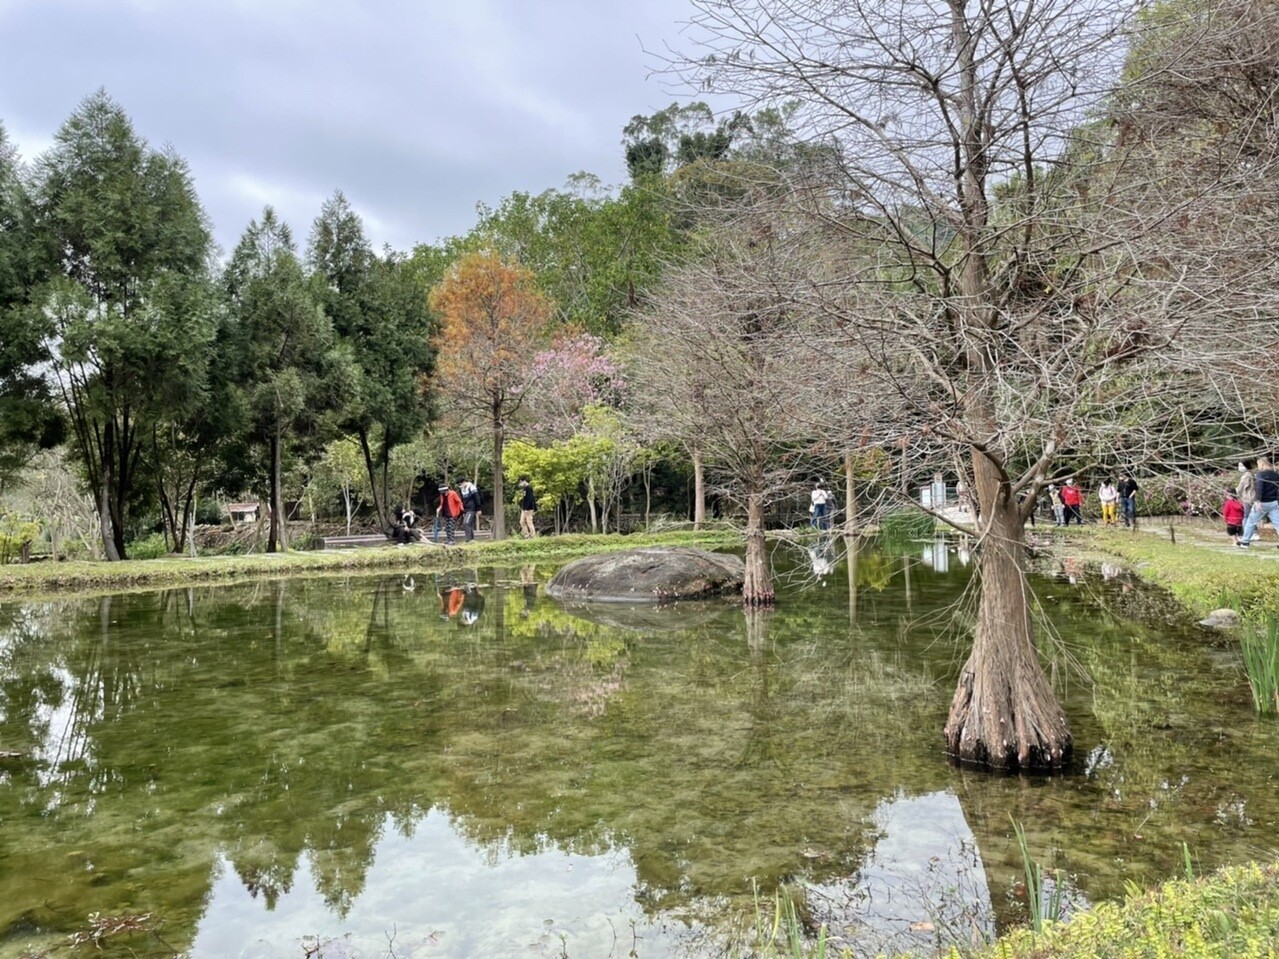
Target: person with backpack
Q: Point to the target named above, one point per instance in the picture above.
(528, 506)
(1267, 505)
(472, 500)
(449, 510)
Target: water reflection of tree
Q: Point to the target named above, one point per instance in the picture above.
(302, 733)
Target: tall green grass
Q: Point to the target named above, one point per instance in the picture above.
(779, 932)
(1042, 910)
(1261, 663)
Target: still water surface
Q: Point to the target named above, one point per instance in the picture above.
(456, 765)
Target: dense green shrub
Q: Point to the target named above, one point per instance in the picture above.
(149, 547)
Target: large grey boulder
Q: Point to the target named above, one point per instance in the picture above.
(652, 574)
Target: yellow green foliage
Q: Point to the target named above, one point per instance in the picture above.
(14, 533)
(1232, 914)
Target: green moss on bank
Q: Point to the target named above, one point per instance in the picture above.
(1201, 578)
(60, 578)
(1231, 914)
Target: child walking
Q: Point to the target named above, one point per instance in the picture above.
(1233, 513)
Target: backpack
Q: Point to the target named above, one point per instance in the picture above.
(452, 505)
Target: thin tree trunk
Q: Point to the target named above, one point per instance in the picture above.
(279, 521)
(188, 510)
(757, 587)
(379, 496)
(109, 547)
(648, 495)
(1004, 713)
(346, 501)
(699, 490)
(590, 503)
(499, 487)
(851, 548)
(850, 496)
(271, 540)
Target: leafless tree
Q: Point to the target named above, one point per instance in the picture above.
(715, 366)
(1023, 279)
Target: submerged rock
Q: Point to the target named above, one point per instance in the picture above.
(1220, 619)
(653, 574)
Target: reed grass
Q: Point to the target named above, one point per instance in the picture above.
(779, 932)
(1261, 663)
(1042, 910)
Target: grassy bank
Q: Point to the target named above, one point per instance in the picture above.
(37, 579)
(1202, 577)
(1231, 914)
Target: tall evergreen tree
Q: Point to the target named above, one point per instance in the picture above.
(380, 315)
(288, 370)
(127, 329)
(27, 416)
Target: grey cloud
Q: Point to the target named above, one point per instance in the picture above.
(416, 110)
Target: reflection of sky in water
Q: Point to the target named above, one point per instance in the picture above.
(440, 895)
(923, 878)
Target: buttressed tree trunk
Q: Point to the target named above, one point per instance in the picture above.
(757, 587)
(1004, 714)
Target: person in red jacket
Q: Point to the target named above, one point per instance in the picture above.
(1233, 512)
(1072, 498)
(450, 509)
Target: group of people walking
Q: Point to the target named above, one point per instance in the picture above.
(1117, 499)
(1254, 500)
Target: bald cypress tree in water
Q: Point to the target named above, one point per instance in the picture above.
(1015, 274)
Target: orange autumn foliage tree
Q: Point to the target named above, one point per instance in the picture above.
(493, 320)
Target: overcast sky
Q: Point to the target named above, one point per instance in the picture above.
(415, 109)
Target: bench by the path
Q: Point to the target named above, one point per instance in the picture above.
(377, 539)
(346, 542)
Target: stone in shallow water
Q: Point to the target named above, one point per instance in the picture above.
(1221, 619)
(655, 574)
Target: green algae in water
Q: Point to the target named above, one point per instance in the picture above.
(463, 764)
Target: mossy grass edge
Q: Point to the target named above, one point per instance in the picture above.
(35, 580)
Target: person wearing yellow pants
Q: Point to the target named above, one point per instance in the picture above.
(1109, 497)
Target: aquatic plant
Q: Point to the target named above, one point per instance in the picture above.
(779, 932)
(1042, 910)
(1261, 663)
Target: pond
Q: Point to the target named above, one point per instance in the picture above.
(455, 765)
